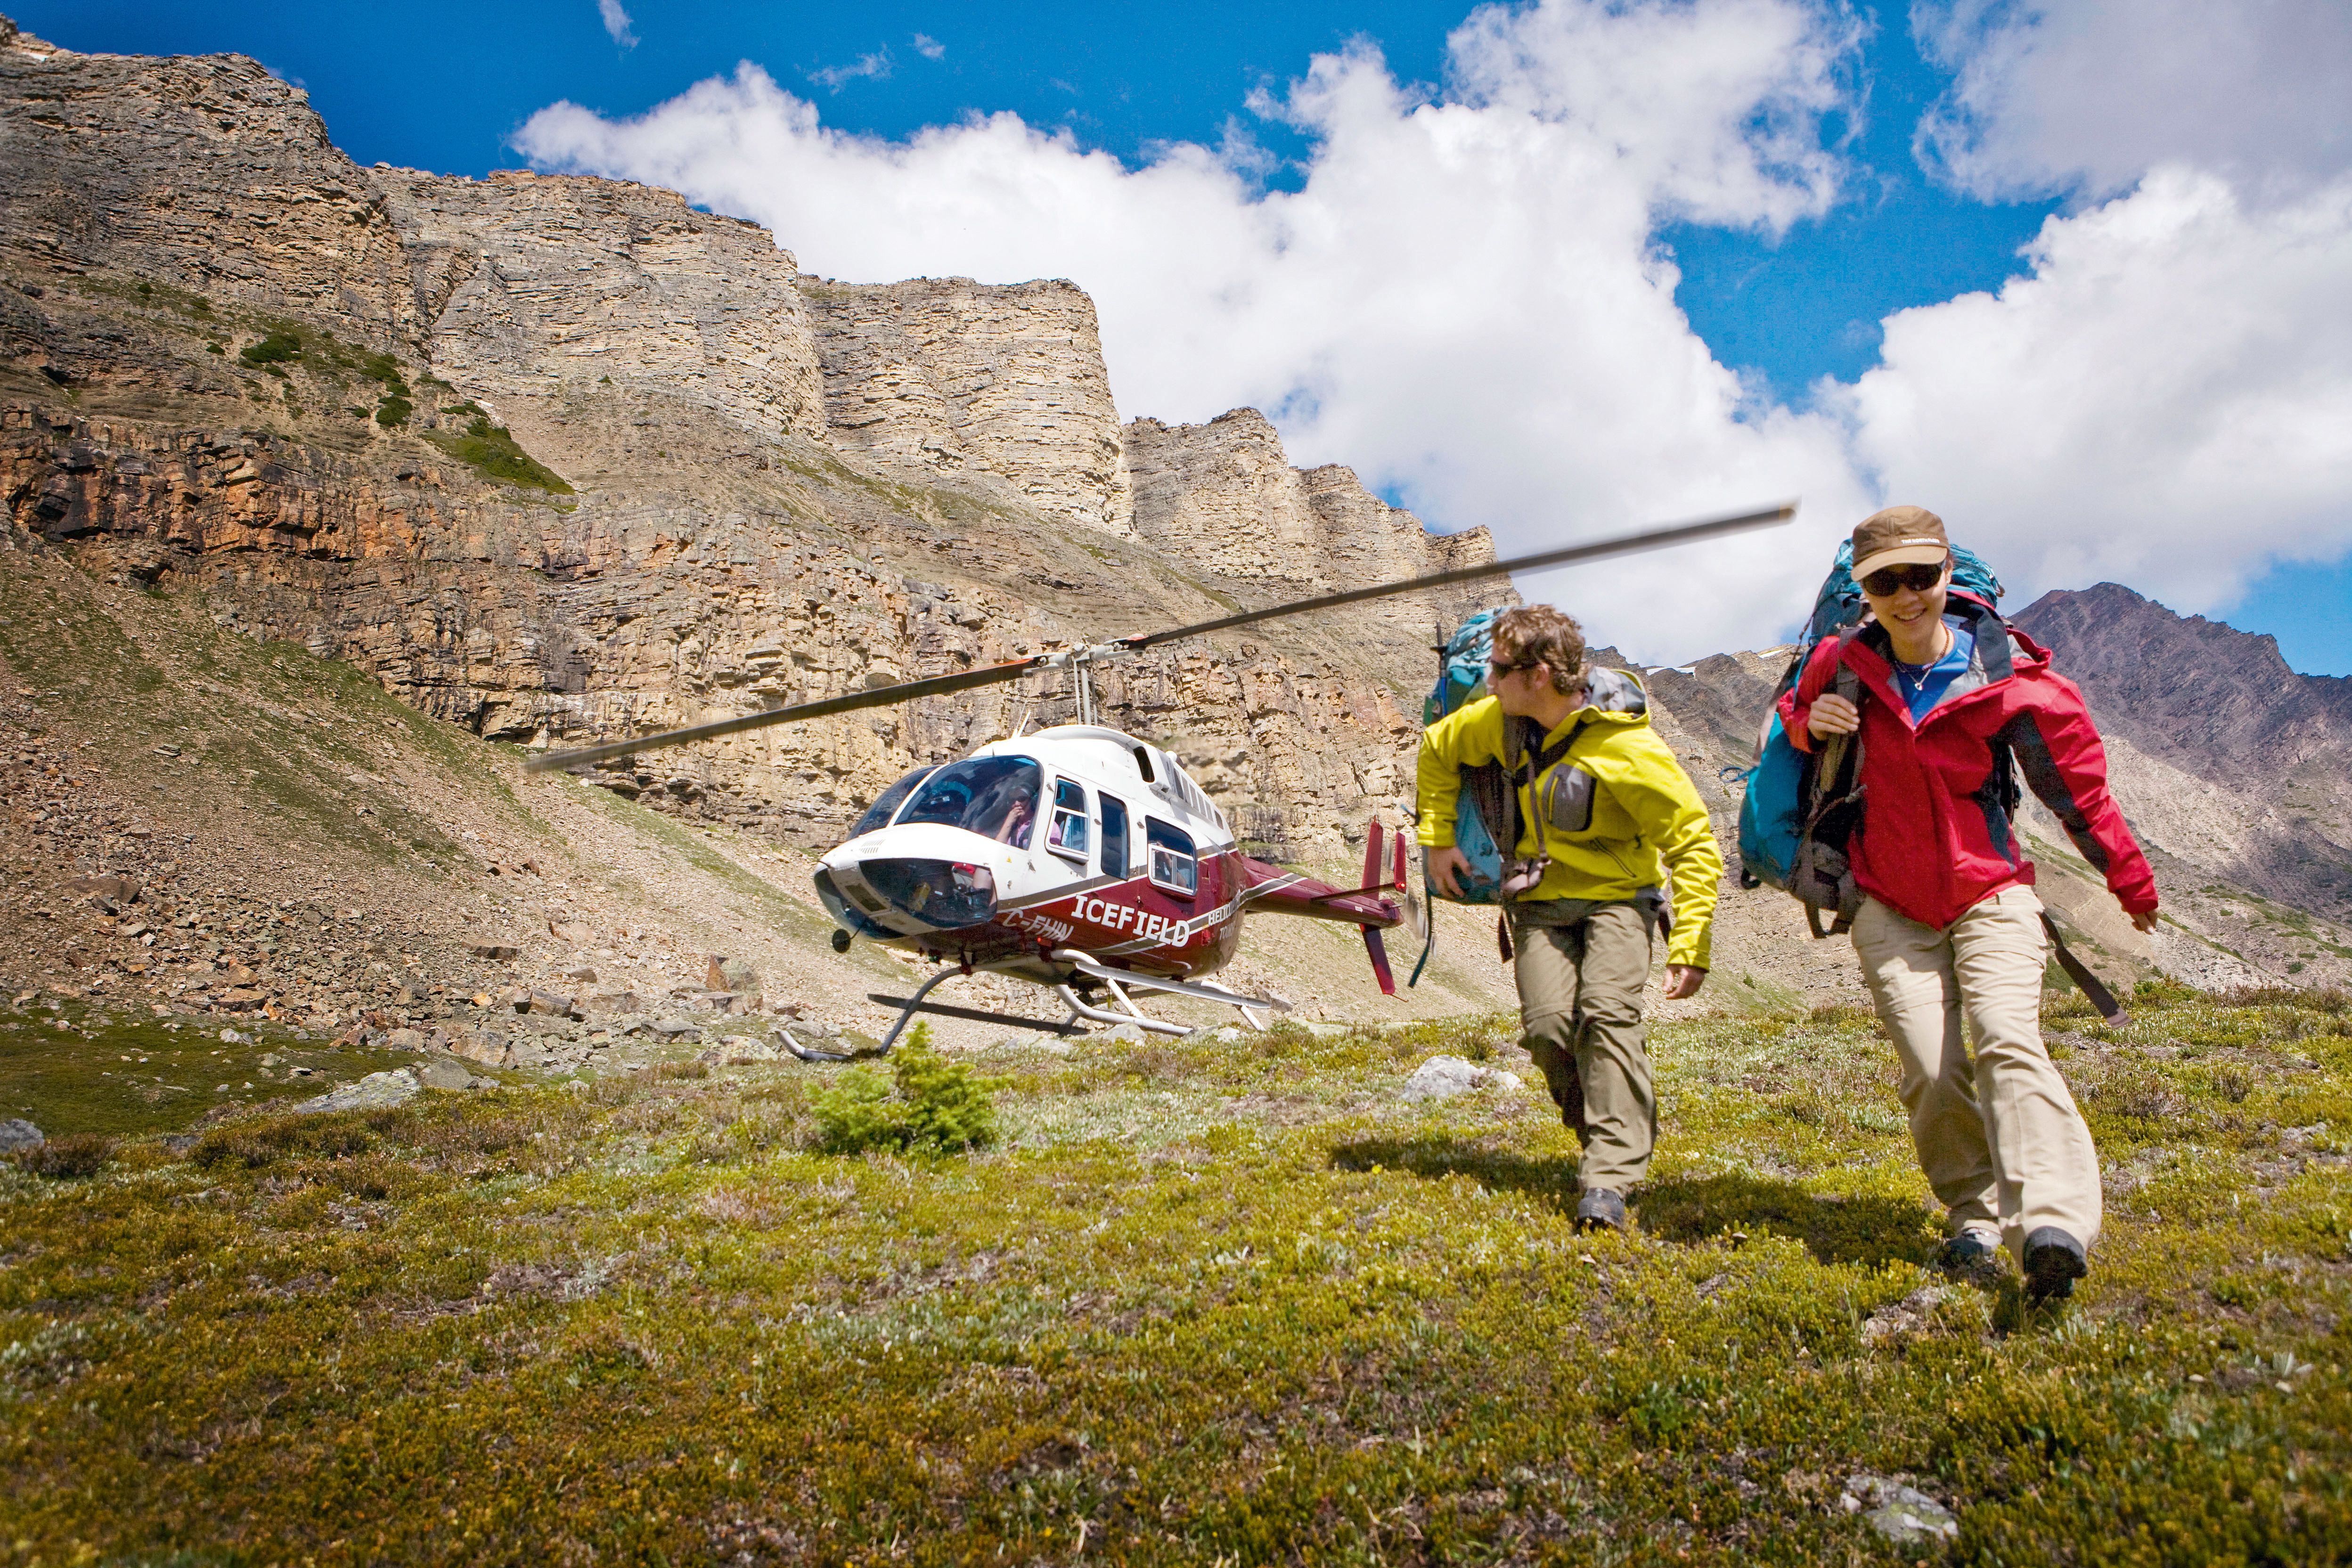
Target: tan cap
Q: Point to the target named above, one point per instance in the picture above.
(1897, 536)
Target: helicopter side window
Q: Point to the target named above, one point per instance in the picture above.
(1068, 835)
(993, 796)
(885, 806)
(1175, 866)
(1114, 836)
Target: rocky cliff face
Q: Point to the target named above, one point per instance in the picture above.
(546, 287)
(757, 488)
(998, 391)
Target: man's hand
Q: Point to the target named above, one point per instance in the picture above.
(1444, 868)
(1832, 715)
(1684, 980)
(2144, 920)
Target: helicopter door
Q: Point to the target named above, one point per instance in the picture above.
(1114, 836)
(1175, 867)
(1068, 835)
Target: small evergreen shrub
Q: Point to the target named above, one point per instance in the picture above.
(393, 412)
(276, 348)
(74, 1154)
(930, 1104)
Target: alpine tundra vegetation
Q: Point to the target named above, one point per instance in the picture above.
(1226, 1300)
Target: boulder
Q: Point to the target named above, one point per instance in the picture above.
(488, 1050)
(1899, 1514)
(496, 952)
(16, 1133)
(547, 1003)
(442, 1072)
(613, 1002)
(405, 1040)
(377, 1091)
(1443, 1077)
(730, 974)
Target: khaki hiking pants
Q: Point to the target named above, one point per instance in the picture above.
(1580, 1014)
(1999, 1139)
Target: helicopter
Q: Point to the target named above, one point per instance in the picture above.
(1084, 859)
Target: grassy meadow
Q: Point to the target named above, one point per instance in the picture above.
(1200, 1302)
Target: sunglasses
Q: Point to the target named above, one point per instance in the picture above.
(1917, 576)
(1496, 671)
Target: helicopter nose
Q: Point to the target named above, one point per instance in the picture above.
(940, 893)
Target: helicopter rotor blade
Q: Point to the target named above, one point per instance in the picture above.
(1624, 544)
(991, 674)
(878, 697)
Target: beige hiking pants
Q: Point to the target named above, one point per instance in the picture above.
(1580, 1014)
(1999, 1139)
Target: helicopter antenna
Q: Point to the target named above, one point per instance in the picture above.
(1077, 659)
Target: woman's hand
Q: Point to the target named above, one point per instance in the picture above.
(1832, 715)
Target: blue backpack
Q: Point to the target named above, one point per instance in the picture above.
(1462, 680)
(1780, 804)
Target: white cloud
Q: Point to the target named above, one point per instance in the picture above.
(616, 23)
(878, 66)
(1463, 300)
(930, 49)
(2165, 402)
(2053, 95)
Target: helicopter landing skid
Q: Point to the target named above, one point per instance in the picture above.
(1249, 1007)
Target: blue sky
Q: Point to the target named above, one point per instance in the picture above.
(445, 86)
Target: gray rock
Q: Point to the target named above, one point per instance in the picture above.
(526, 1054)
(1443, 1077)
(1898, 1512)
(614, 1002)
(549, 1004)
(674, 1028)
(377, 1091)
(16, 1133)
(405, 1040)
(442, 1072)
(730, 974)
(1131, 1032)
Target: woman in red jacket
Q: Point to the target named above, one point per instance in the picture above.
(1949, 928)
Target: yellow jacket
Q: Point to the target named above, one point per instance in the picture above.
(1646, 816)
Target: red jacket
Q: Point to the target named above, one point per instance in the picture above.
(1936, 837)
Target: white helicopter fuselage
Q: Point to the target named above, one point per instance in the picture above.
(1074, 839)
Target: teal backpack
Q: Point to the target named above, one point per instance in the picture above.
(1462, 680)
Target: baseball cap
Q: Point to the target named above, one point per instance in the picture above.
(1897, 536)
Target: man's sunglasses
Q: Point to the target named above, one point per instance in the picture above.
(1915, 575)
(1495, 671)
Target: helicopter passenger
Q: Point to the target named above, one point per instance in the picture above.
(1609, 819)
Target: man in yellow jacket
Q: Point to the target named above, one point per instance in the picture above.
(1613, 845)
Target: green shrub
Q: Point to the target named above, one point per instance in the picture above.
(393, 412)
(930, 1104)
(276, 348)
(75, 1154)
(490, 451)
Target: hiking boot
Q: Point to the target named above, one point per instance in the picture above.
(1600, 1209)
(2053, 1261)
(1969, 1256)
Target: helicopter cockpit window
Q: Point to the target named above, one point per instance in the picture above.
(1068, 835)
(1175, 866)
(1114, 836)
(887, 805)
(993, 796)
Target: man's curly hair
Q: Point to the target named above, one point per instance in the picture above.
(1538, 633)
